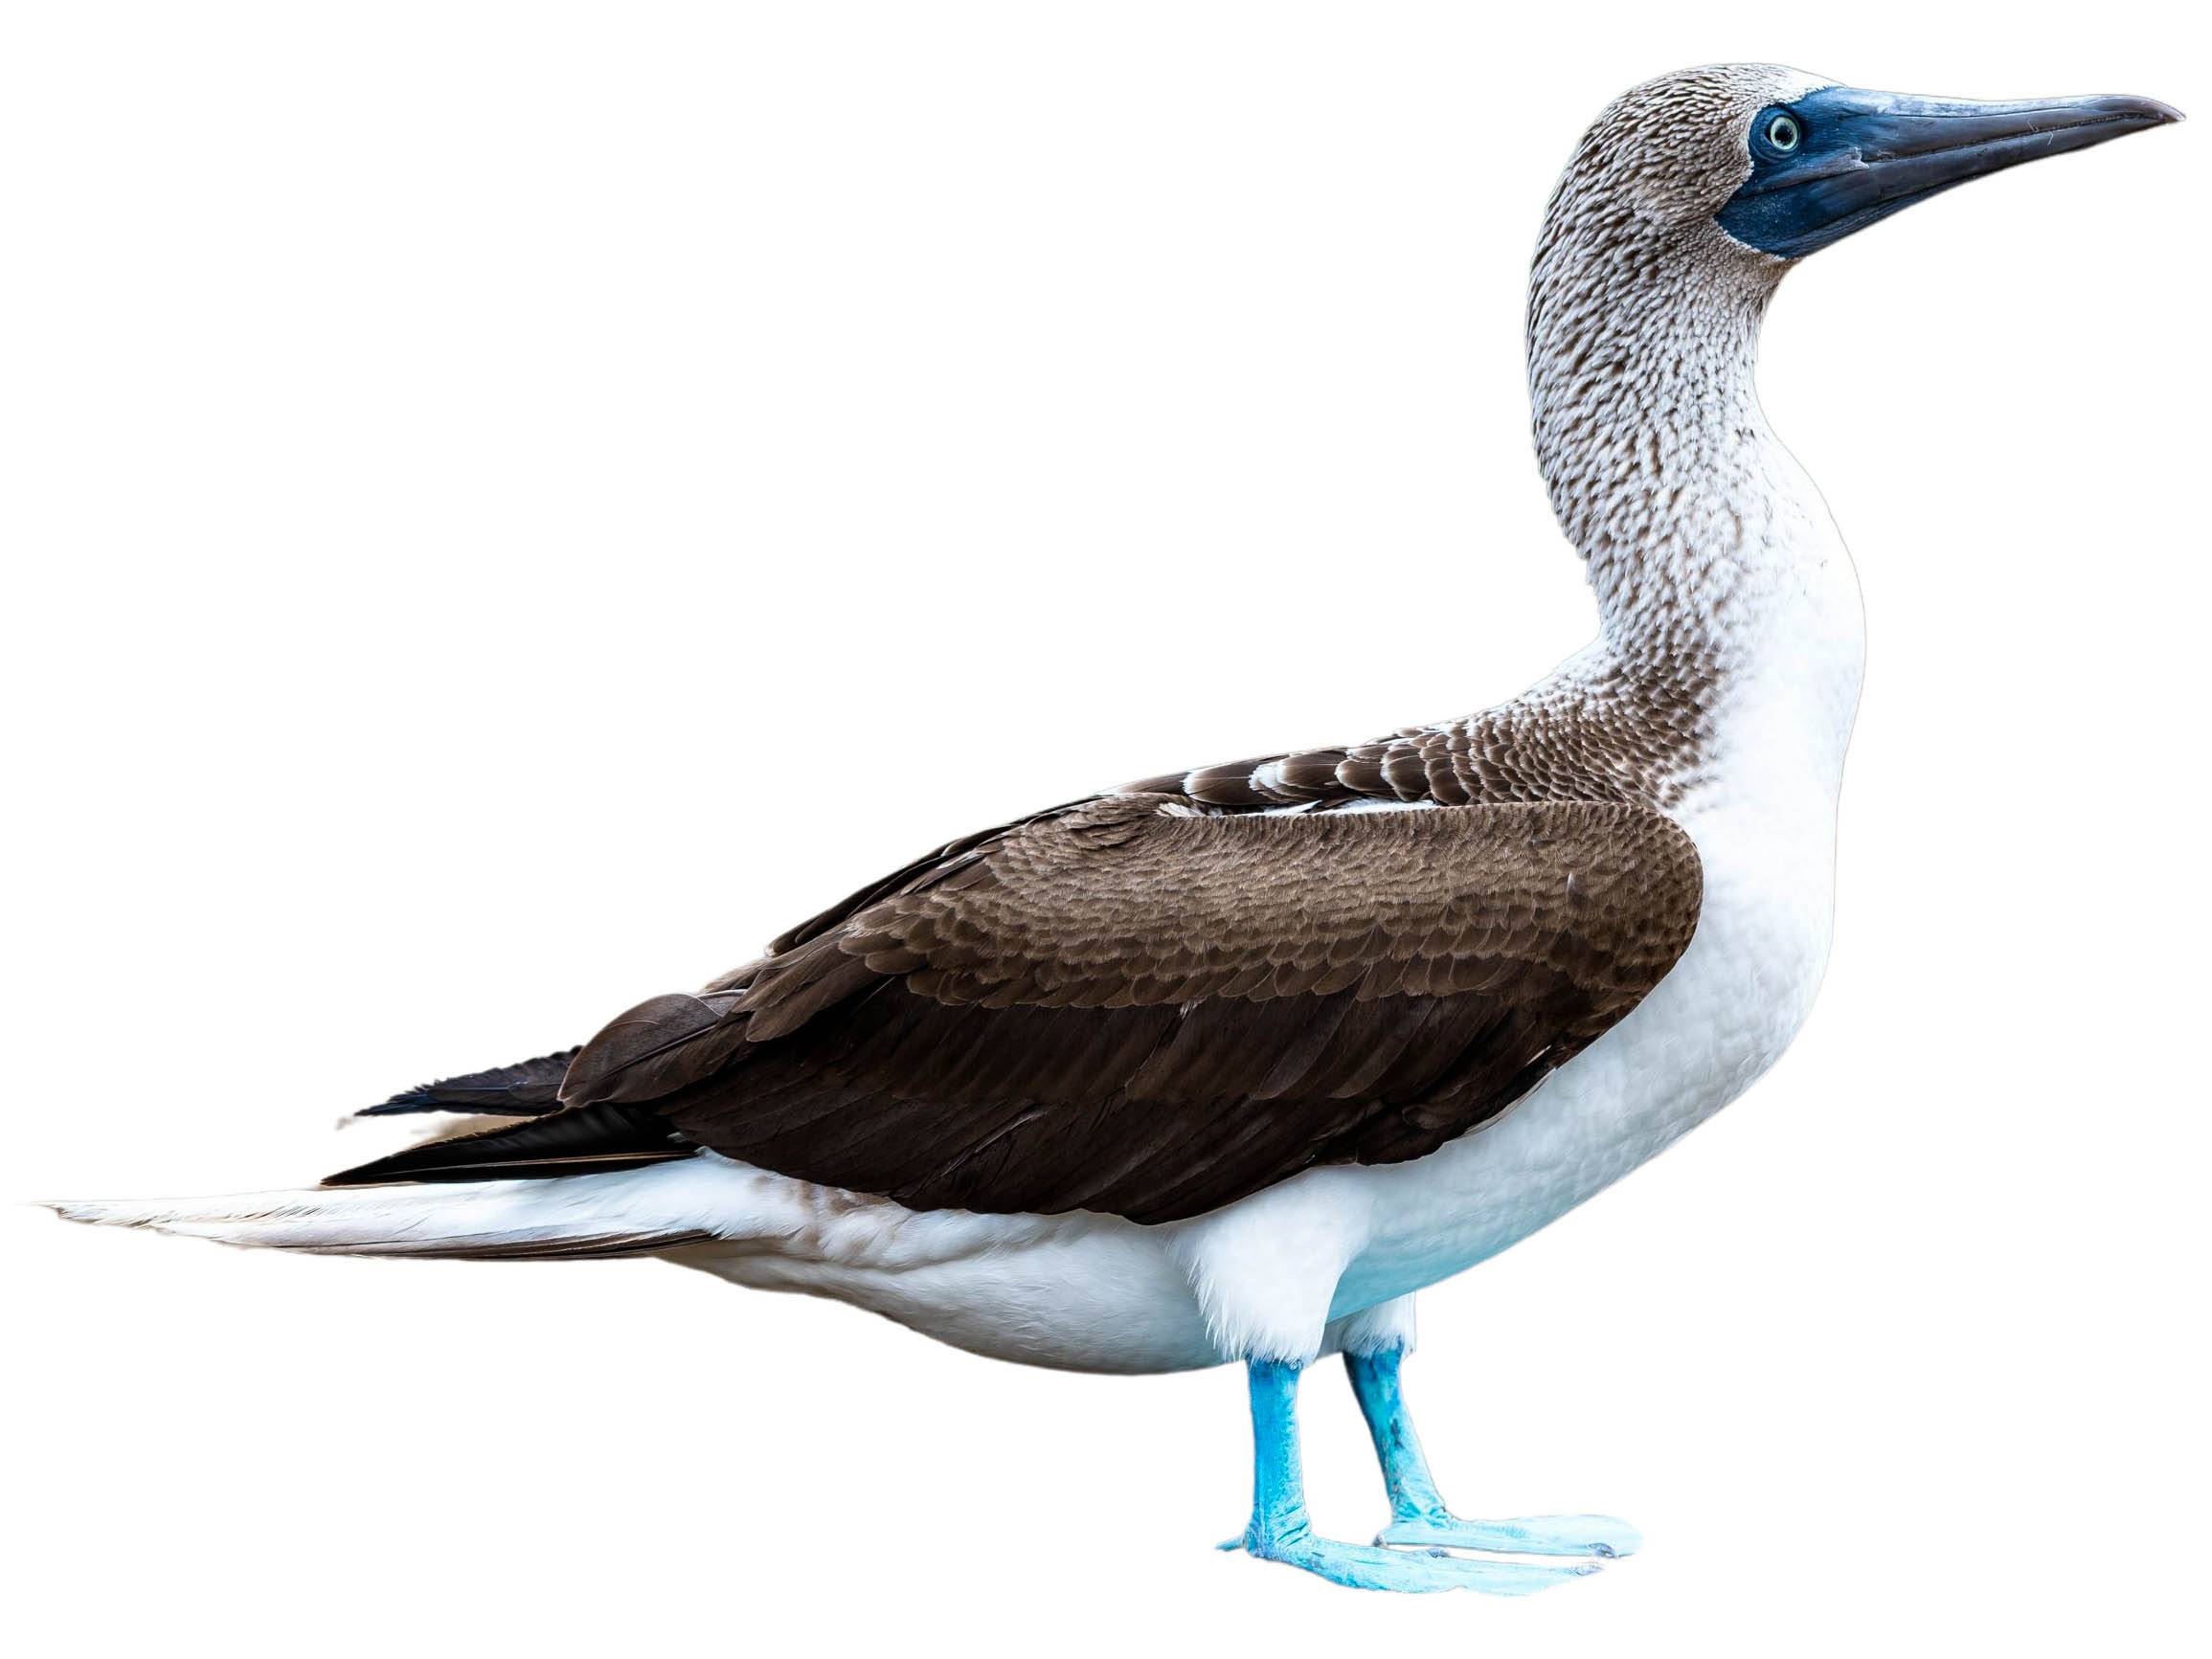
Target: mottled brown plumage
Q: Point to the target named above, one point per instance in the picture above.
(1613, 735)
(1130, 1006)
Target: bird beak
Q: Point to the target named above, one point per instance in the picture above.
(1859, 156)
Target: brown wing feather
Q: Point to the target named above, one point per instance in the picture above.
(1115, 1008)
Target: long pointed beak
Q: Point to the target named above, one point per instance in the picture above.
(1850, 157)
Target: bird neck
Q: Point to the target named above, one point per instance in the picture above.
(1709, 549)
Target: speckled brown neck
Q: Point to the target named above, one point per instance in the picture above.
(1660, 467)
(1721, 588)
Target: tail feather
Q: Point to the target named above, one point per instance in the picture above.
(629, 1213)
(582, 1141)
(523, 1090)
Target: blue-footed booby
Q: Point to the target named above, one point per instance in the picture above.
(1229, 1063)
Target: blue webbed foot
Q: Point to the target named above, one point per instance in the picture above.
(1603, 1535)
(1418, 1516)
(1367, 1567)
(1279, 1530)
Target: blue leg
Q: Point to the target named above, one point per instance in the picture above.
(1281, 1532)
(1417, 1511)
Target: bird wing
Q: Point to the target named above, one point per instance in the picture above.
(1127, 1007)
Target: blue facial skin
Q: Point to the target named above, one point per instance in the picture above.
(1837, 160)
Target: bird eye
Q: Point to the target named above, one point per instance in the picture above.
(1783, 132)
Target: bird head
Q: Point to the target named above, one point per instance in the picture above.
(1778, 164)
(1685, 204)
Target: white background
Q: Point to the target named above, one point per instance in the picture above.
(510, 507)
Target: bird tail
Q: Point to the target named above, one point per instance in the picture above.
(626, 1213)
(528, 1088)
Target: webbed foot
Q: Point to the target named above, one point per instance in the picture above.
(1603, 1535)
(1367, 1567)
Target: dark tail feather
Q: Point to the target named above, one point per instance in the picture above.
(586, 1140)
(524, 1090)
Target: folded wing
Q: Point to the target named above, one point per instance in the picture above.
(1128, 1008)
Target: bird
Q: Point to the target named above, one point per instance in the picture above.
(1226, 1065)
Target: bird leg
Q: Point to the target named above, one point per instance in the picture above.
(1280, 1529)
(1417, 1511)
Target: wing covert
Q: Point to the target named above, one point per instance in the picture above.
(1125, 1007)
